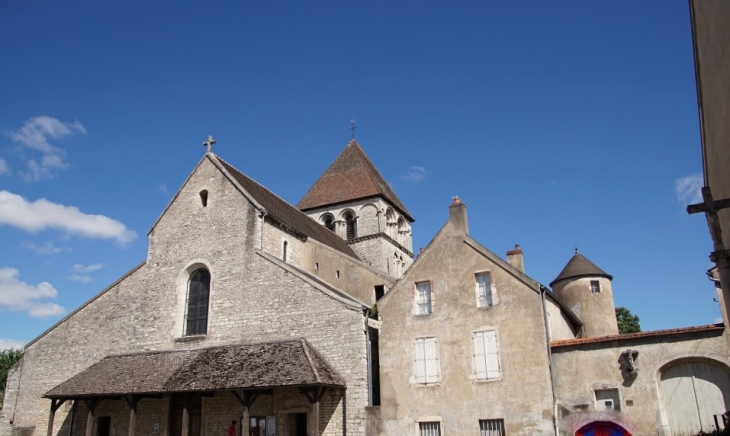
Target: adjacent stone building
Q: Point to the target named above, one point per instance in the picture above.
(249, 310)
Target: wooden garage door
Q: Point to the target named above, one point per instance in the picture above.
(693, 393)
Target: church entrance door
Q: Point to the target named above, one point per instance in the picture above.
(176, 415)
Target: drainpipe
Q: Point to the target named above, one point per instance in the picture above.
(550, 358)
(370, 356)
(263, 220)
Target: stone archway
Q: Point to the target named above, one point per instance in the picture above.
(602, 428)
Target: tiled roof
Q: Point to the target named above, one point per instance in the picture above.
(286, 214)
(350, 177)
(718, 328)
(579, 266)
(265, 365)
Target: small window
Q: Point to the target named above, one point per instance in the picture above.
(429, 428)
(284, 249)
(491, 427)
(486, 359)
(204, 198)
(337, 274)
(427, 367)
(595, 286)
(423, 298)
(316, 266)
(196, 315)
(379, 292)
(607, 399)
(484, 290)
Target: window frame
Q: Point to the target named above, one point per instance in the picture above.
(435, 423)
(429, 297)
(597, 288)
(198, 305)
(490, 291)
(486, 354)
(498, 423)
(427, 361)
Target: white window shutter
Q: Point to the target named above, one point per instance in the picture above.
(431, 363)
(479, 356)
(490, 345)
(420, 361)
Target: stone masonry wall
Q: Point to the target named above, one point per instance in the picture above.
(252, 300)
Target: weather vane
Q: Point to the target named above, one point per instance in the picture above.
(352, 127)
(209, 142)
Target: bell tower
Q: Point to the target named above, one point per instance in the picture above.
(353, 200)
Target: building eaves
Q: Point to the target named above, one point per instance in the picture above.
(711, 328)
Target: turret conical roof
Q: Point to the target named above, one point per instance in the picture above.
(580, 266)
(350, 177)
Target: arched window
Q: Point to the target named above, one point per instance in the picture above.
(196, 315)
(204, 197)
(329, 221)
(351, 227)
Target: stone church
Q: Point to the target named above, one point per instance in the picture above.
(253, 317)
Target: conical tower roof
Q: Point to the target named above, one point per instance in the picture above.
(350, 177)
(580, 266)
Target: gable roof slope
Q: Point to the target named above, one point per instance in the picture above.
(286, 214)
(351, 176)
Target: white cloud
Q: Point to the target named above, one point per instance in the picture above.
(19, 296)
(47, 248)
(415, 174)
(688, 189)
(35, 134)
(42, 214)
(6, 344)
(163, 188)
(4, 167)
(81, 272)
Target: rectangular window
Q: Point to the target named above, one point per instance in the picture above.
(595, 286)
(484, 290)
(429, 428)
(491, 427)
(426, 361)
(607, 399)
(486, 355)
(423, 298)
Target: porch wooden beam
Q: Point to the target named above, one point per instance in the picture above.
(55, 404)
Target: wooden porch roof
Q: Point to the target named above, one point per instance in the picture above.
(293, 363)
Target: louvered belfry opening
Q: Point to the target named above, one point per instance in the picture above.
(196, 317)
(351, 230)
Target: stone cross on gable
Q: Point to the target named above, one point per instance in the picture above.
(209, 142)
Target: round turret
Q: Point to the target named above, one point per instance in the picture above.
(586, 290)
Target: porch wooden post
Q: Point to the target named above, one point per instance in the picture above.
(132, 401)
(132, 421)
(185, 419)
(315, 418)
(246, 425)
(89, 422)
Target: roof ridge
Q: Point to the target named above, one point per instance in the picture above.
(255, 181)
(309, 359)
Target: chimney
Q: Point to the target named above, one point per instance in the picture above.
(514, 258)
(457, 216)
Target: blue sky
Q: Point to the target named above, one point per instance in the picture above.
(559, 124)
